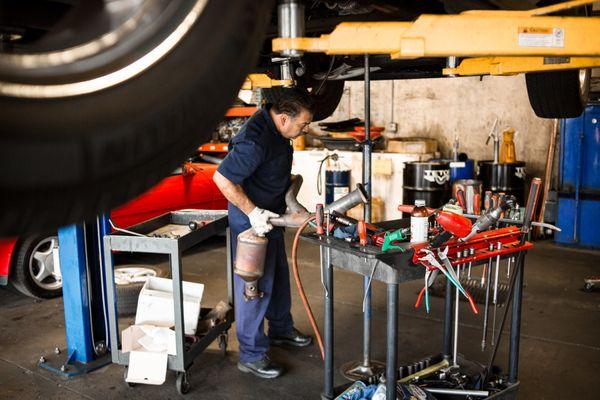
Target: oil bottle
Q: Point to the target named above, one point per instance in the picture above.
(419, 223)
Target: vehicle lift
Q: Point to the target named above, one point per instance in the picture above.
(84, 294)
(486, 43)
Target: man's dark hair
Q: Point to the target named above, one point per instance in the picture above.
(292, 101)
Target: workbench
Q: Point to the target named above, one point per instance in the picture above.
(395, 267)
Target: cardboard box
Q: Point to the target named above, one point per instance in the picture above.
(412, 145)
(149, 348)
(155, 304)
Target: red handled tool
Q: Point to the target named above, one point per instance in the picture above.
(319, 219)
(362, 232)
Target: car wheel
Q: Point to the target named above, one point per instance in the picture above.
(129, 280)
(88, 128)
(34, 272)
(558, 94)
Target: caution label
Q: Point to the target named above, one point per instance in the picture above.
(541, 37)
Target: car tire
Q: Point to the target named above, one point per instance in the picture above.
(326, 101)
(128, 293)
(558, 94)
(66, 159)
(31, 255)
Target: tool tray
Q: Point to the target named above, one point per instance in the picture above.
(171, 226)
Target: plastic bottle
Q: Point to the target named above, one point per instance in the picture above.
(507, 151)
(419, 223)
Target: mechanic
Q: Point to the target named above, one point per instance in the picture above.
(254, 178)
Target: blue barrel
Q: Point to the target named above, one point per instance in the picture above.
(461, 170)
(337, 184)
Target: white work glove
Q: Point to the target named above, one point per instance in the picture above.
(259, 219)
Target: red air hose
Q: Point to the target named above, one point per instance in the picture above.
(301, 291)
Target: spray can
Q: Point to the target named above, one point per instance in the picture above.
(419, 223)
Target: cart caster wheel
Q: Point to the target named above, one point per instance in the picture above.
(130, 384)
(588, 287)
(223, 340)
(183, 383)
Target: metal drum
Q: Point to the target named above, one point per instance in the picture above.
(507, 178)
(427, 180)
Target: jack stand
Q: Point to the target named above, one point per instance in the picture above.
(367, 368)
(80, 249)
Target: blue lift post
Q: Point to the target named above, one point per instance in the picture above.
(84, 294)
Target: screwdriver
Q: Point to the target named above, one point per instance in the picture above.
(471, 253)
(495, 299)
(487, 299)
(362, 232)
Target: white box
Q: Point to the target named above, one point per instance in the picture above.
(155, 304)
(149, 348)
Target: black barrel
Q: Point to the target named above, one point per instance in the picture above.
(427, 180)
(508, 178)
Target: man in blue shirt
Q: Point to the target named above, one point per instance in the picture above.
(254, 178)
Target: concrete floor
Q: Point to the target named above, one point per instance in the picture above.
(560, 345)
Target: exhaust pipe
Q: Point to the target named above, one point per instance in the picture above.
(252, 249)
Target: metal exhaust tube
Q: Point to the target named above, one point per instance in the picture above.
(352, 199)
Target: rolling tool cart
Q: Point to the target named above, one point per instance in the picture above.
(171, 234)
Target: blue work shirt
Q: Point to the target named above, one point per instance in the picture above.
(260, 160)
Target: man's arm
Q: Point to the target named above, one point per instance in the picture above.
(233, 193)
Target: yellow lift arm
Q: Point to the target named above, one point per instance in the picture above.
(263, 81)
(505, 42)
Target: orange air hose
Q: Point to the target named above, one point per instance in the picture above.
(301, 291)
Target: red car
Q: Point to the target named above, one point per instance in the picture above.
(28, 261)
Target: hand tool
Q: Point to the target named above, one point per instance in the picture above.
(470, 193)
(432, 264)
(487, 220)
(319, 219)
(487, 299)
(487, 201)
(495, 298)
(460, 197)
(362, 232)
(449, 272)
(476, 203)
(517, 221)
(458, 392)
(495, 200)
(471, 253)
(426, 372)
(456, 309)
(391, 237)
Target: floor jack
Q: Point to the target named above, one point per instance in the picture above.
(83, 297)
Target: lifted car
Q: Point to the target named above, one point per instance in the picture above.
(99, 100)
(28, 264)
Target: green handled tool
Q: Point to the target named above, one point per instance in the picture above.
(391, 237)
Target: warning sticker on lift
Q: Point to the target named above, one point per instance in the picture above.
(541, 37)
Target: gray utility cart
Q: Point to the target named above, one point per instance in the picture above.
(172, 234)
